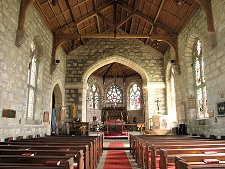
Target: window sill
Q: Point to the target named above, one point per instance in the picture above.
(206, 118)
(32, 122)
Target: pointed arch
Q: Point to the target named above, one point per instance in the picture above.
(103, 62)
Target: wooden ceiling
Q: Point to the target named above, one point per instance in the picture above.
(115, 70)
(134, 17)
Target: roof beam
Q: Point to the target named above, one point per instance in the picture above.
(93, 13)
(207, 7)
(145, 18)
(114, 17)
(86, 17)
(96, 16)
(66, 27)
(105, 74)
(106, 19)
(20, 33)
(125, 20)
(132, 20)
(121, 71)
(110, 36)
(156, 17)
(74, 17)
(59, 38)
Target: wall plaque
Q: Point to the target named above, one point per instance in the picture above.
(8, 113)
(46, 116)
(211, 113)
(221, 109)
(191, 103)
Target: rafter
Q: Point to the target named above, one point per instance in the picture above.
(105, 74)
(96, 16)
(66, 27)
(156, 17)
(114, 17)
(86, 17)
(74, 18)
(93, 13)
(145, 18)
(121, 71)
(125, 20)
(132, 20)
(20, 33)
(105, 19)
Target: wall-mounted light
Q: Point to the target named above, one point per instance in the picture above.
(57, 61)
(173, 62)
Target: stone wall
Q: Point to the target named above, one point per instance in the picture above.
(98, 50)
(214, 70)
(14, 68)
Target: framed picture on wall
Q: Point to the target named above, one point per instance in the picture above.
(221, 109)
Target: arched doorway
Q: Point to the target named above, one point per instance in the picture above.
(57, 105)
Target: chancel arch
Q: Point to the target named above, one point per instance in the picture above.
(108, 80)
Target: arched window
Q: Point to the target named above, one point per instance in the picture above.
(135, 95)
(200, 81)
(31, 84)
(93, 97)
(173, 98)
(114, 95)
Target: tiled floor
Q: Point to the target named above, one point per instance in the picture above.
(126, 144)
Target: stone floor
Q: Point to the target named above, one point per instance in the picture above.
(126, 144)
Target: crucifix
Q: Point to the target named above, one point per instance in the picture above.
(157, 103)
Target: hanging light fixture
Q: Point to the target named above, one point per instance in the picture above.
(155, 43)
(179, 2)
(54, 2)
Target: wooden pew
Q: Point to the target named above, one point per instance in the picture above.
(180, 163)
(136, 141)
(60, 141)
(97, 142)
(151, 150)
(87, 162)
(53, 161)
(167, 156)
(77, 155)
(22, 166)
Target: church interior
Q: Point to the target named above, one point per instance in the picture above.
(84, 71)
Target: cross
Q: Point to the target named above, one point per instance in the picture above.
(157, 103)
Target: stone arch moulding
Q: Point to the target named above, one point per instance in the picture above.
(99, 64)
(60, 94)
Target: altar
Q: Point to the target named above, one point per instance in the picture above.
(115, 129)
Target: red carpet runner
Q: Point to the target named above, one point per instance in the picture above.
(116, 159)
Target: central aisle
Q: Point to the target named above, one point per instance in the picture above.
(116, 159)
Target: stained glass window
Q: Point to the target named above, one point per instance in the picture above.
(93, 97)
(114, 95)
(135, 94)
(200, 81)
(31, 84)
